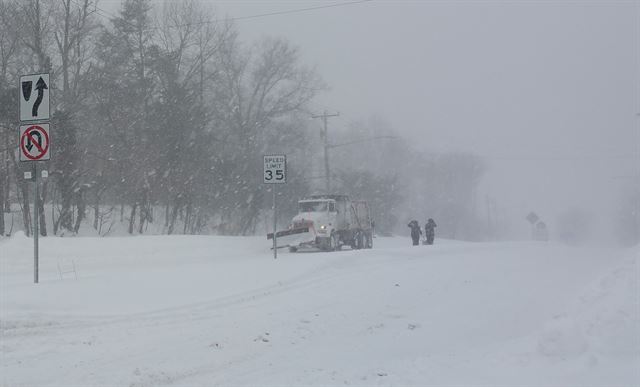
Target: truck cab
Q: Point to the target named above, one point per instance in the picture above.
(321, 215)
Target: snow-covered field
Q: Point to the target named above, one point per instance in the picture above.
(202, 311)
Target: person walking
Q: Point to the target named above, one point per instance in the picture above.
(416, 231)
(430, 231)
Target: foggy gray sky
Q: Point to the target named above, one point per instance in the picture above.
(547, 91)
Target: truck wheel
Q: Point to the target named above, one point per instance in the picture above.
(354, 241)
(369, 241)
(360, 241)
(334, 242)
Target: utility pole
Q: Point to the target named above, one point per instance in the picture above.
(326, 148)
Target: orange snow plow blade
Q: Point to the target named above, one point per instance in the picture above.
(292, 231)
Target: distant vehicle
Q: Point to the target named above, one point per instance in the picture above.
(328, 222)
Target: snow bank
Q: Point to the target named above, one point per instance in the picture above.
(203, 311)
(604, 322)
(609, 311)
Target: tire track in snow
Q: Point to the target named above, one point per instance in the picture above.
(336, 268)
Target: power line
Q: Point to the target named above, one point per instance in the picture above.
(357, 141)
(101, 12)
(109, 16)
(299, 10)
(560, 158)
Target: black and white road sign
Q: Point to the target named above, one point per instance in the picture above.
(275, 169)
(34, 142)
(34, 97)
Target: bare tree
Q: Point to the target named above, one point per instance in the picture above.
(73, 28)
(123, 89)
(189, 38)
(9, 39)
(73, 25)
(9, 44)
(35, 18)
(262, 87)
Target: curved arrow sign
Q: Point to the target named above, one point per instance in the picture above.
(34, 97)
(34, 142)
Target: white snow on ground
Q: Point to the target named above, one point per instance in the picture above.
(202, 311)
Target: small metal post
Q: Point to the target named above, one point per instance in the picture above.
(35, 222)
(275, 224)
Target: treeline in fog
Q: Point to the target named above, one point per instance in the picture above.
(161, 114)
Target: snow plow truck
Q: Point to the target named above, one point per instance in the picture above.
(328, 222)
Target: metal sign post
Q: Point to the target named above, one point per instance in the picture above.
(34, 139)
(275, 172)
(532, 218)
(36, 201)
(275, 225)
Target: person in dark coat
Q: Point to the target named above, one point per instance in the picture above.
(416, 231)
(430, 231)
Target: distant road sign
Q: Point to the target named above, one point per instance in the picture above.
(34, 97)
(532, 217)
(34, 142)
(275, 169)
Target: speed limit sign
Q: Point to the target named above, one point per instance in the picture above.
(275, 169)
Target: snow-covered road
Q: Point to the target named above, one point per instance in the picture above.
(203, 311)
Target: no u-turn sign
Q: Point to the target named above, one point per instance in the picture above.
(34, 142)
